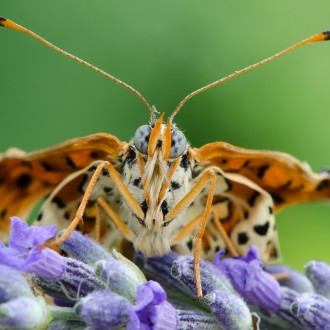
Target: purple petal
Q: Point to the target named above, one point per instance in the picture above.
(23, 237)
(249, 279)
(12, 258)
(152, 309)
(149, 293)
(45, 263)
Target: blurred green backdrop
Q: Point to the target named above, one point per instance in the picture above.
(166, 49)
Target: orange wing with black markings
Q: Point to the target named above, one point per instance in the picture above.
(288, 180)
(25, 178)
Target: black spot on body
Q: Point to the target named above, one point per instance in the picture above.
(67, 215)
(224, 161)
(175, 185)
(184, 162)
(164, 207)
(262, 229)
(246, 214)
(107, 190)
(3, 213)
(60, 204)
(190, 244)
(217, 249)
(277, 198)
(131, 156)
(252, 199)
(105, 172)
(270, 209)
(242, 238)
(24, 180)
(262, 170)
(136, 182)
(70, 162)
(144, 207)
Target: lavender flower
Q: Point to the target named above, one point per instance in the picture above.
(19, 308)
(104, 290)
(313, 311)
(104, 310)
(83, 248)
(107, 310)
(319, 274)
(227, 307)
(24, 313)
(25, 254)
(230, 310)
(12, 284)
(249, 279)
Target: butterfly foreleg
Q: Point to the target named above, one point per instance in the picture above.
(122, 189)
(82, 206)
(208, 177)
(120, 224)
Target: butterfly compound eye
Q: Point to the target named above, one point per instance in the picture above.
(179, 144)
(141, 138)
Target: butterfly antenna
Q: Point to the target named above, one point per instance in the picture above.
(317, 37)
(12, 25)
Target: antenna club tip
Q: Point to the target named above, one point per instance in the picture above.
(326, 35)
(2, 20)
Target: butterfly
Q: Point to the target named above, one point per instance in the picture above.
(156, 192)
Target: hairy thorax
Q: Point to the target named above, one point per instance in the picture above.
(153, 233)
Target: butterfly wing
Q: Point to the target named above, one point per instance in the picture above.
(287, 180)
(25, 178)
(243, 209)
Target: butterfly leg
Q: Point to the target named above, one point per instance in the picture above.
(122, 227)
(208, 177)
(132, 204)
(229, 243)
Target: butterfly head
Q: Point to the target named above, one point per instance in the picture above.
(165, 142)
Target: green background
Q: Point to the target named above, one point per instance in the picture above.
(166, 49)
